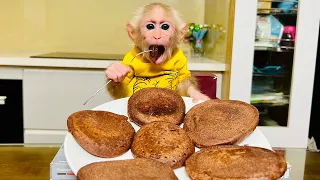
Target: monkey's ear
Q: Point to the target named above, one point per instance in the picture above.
(184, 30)
(131, 31)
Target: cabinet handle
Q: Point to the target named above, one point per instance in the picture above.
(3, 100)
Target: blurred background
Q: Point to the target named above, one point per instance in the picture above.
(53, 54)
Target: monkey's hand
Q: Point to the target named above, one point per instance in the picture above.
(117, 72)
(197, 95)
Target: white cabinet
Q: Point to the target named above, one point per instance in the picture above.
(50, 96)
(297, 60)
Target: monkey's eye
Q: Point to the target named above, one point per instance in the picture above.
(165, 26)
(150, 26)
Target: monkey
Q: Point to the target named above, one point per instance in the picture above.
(157, 27)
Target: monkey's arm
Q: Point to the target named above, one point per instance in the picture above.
(188, 85)
(120, 89)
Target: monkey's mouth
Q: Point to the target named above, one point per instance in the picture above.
(156, 52)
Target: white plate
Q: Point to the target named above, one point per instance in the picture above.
(77, 157)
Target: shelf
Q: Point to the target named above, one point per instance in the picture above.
(274, 49)
(279, 13)
(277, 1)
(273, 40)
(268, 104)
(270, 75)
(278, 10)
(260, 45)
(269, 99)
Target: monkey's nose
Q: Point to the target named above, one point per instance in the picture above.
(157, 37)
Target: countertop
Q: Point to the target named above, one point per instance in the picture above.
(21, 162)
(24, 60)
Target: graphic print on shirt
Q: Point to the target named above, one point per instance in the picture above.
(140, 83)
(168, 79)
(172, 80)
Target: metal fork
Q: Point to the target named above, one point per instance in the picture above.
(111, 80)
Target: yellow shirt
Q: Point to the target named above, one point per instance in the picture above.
(144, 74)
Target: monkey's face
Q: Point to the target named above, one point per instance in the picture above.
(157, 34)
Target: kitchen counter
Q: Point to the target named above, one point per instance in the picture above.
(21, 162)
(24, 60)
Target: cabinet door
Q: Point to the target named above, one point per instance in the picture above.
(273, 62)
(11, 111)
(207, 83)
(50, 96)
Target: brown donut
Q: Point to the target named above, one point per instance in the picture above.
(164, 142)
(235, 163)
(101, 133)
(156, 104)
(127, 170)
(217, 122)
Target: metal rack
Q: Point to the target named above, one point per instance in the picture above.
(261, 97)
(276, 0)
(270, 75)
(274, 49)
(277, 11)
(277, 48)
(272, 40)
